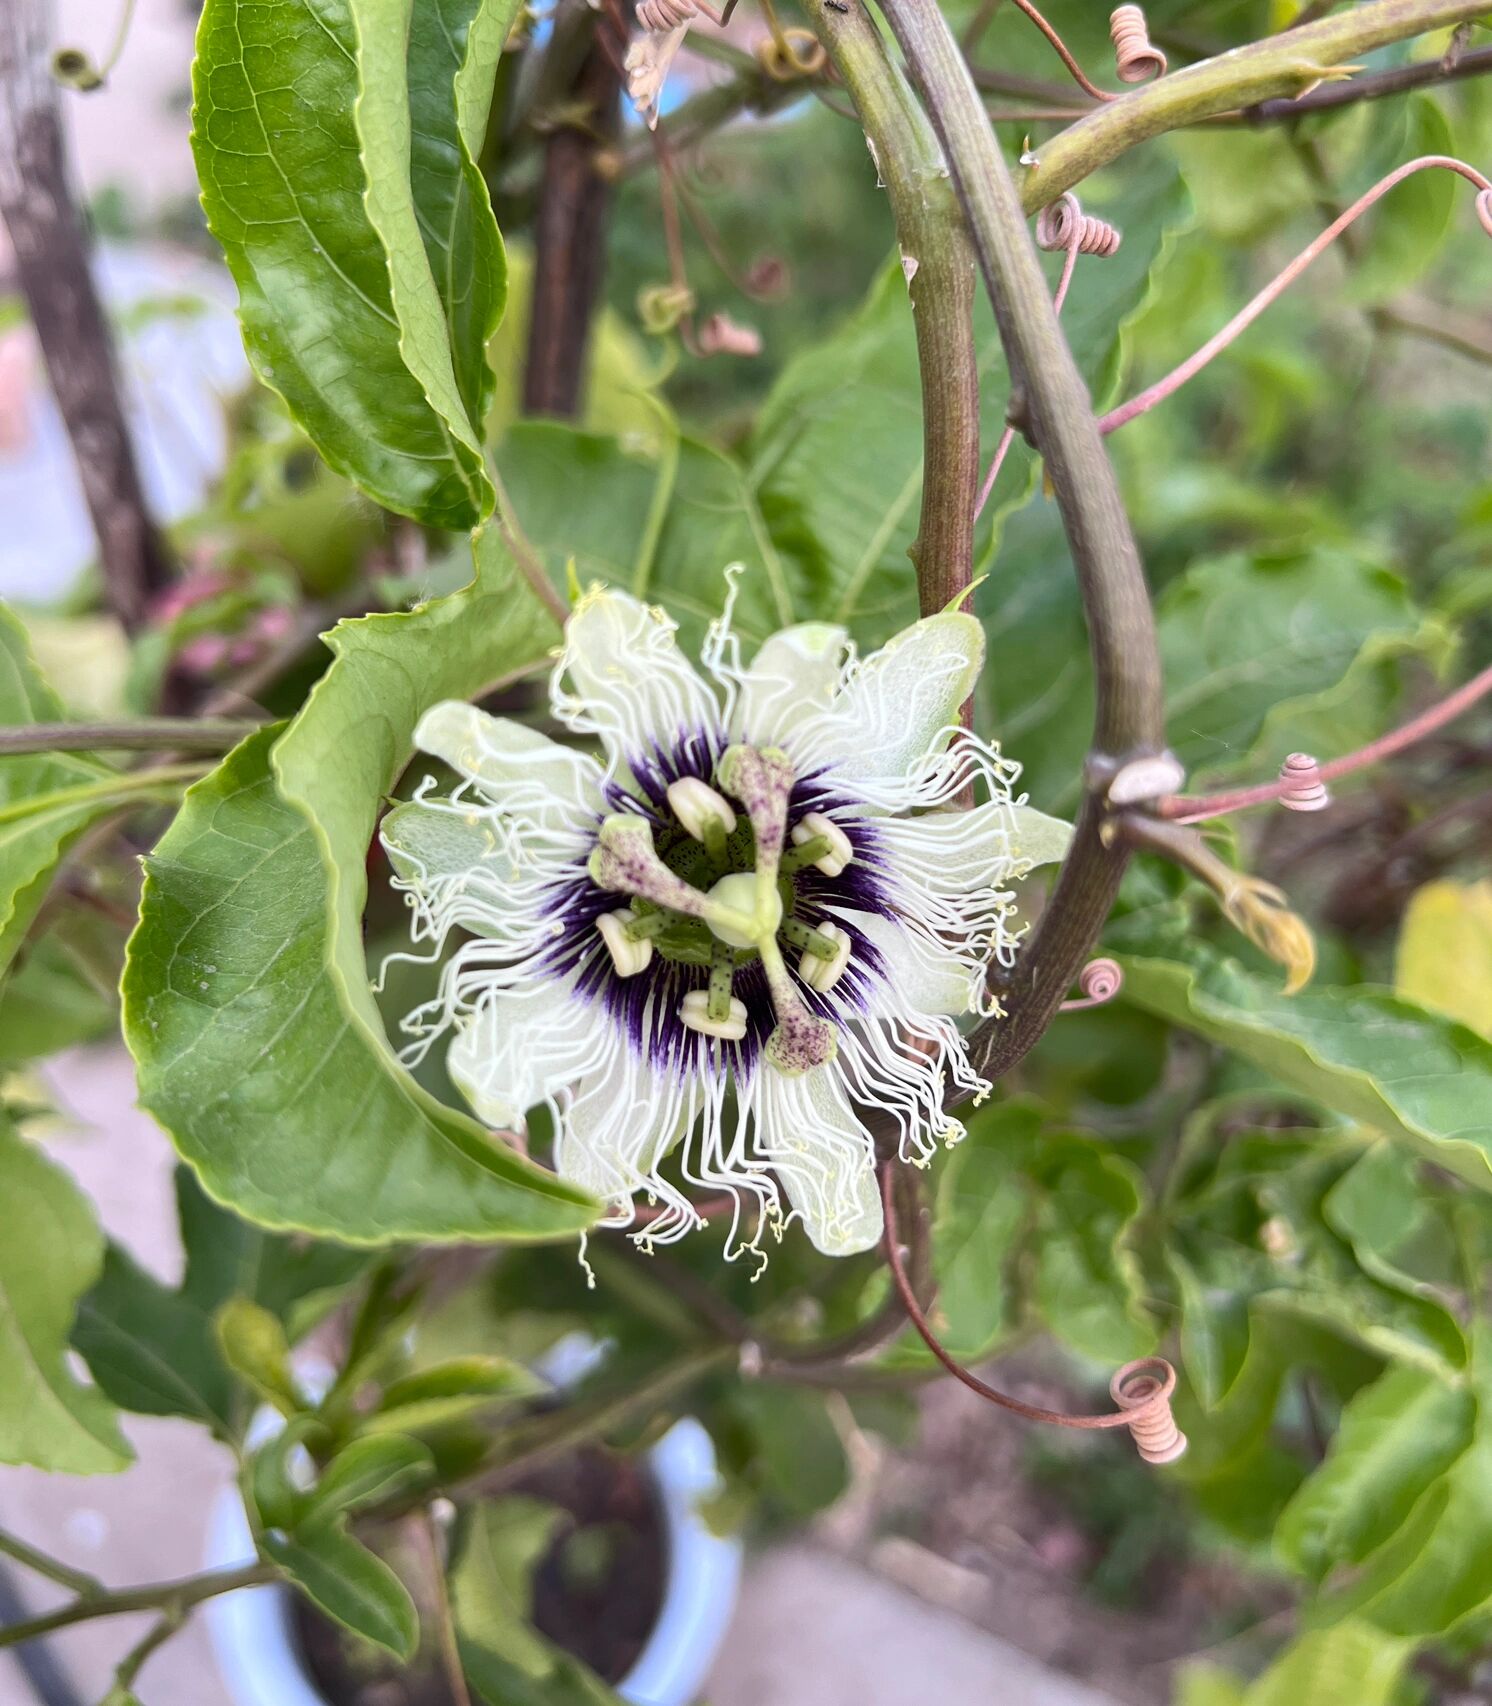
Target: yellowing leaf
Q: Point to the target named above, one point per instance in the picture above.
(1445, 952)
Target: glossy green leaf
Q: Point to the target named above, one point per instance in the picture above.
(836, 458)
(47, 800)
(366, 1472)
(247, 1001)
(1418, 1078)
(1396, 1439)
(302, 129)
(449, 1392)
(348, 1583)
(51, 1253)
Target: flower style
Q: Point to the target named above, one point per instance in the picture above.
(732, 937)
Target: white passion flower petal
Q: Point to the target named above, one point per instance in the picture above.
(794, 676)
(889, 727)
(524, 1046)
(537, 783)
(649, 56)
(621, 676)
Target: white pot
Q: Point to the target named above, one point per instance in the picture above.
(256, 1650)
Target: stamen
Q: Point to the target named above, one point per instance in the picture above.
(722, 969)
(705, 815)
(804, 936)
(629, 954)
(821, 971)
(694, 1013)
(805, 853)
(815, 826)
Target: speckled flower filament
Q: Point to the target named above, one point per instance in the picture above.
(753, 918)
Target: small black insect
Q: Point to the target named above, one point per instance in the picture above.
(836, 5)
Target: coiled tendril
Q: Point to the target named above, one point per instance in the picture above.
(1136, 57)
(1064, 225)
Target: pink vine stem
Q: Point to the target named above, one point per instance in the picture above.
(1007, 438)
(1064, 53)
(1246, 316)
(1181, 808)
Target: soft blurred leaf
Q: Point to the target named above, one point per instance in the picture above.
(314, 1123)
(365, 1472)
(1417, 1078)
(450, 1392)
(349, 1583)
(51, 1253)
(1351, 1665)
(799, 1459)
(47, 800)
(836, 458)
(983, 1203)
(63, 987)
(1401, 243)
(254, 1346)
(1445, 952)
(153, 1350)
(1088, 1283)
(1395, 1440)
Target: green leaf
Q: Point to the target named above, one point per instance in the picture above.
(302, 129)
(1396, 1439)
(1351, 1665)
(51, 1253)
(349, 1583)
(505, 1659)
(47, 800)
(1240, 636)
(1207, 1685)
(450, 1392)
(1445, 952)
(247, 1001)
(1088, 1283)
(836, 458)
(254, 1346)
(982, 1206)
(1419, 1079)
(367, 1471)
(1407, 232)
(63, 987)
(153, 1350)
(799, 1458)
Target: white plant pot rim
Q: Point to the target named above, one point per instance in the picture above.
(253, 1634)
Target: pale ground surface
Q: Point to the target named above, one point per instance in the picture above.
(811, 1630)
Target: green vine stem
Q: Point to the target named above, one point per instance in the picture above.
(149, 734)
(171, 1599)
(940, 280)
(1283, 65)
(75, 1581)
(1129, 719)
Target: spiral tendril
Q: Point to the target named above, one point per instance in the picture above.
(1307, 791)
(1143, 1390)
(790, 54)
(1055, 225)
(1136, 57)
(661, 15)
(1100, 981)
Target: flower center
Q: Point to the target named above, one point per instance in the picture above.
(720, 894)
